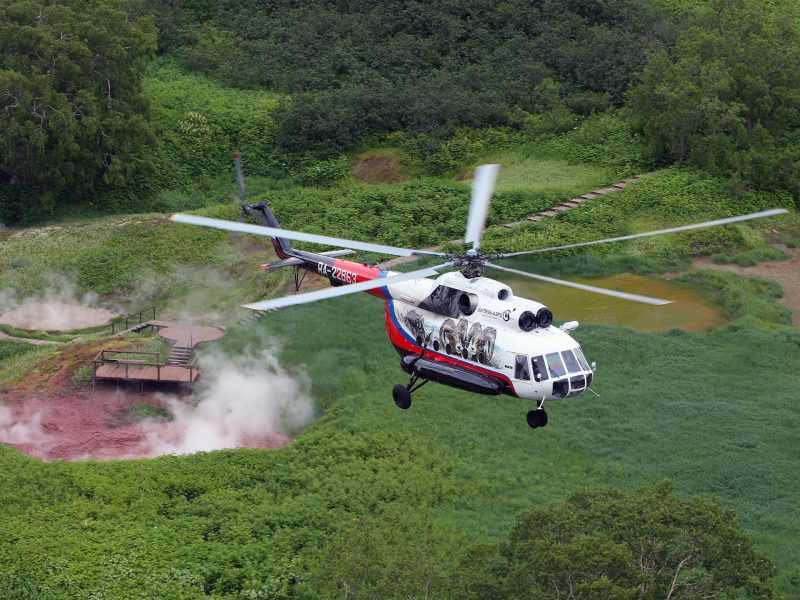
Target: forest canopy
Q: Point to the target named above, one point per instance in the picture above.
(709, 84)
(72, 111)
(364, 67)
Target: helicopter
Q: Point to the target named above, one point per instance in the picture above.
(461, 329)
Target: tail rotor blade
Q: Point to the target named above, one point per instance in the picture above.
(482, 188)
(587, 288)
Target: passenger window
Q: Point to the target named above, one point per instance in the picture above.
(539, 369)
(582, 359)
(521, 370)
(572, 364)
(555, 364)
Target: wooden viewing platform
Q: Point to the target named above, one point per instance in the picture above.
(109, 365)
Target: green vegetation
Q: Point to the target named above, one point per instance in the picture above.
(146, 256)
(74, 116)
(664, 199)
(20, 361)
(9, 349)
(83, 375)
(367, 480)
(698, 550)
(748, 258)
(36, 335)
(725, 97)
(456, 497)
(361, 68)
(739, 297)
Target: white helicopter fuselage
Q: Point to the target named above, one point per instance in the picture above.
(480, 326)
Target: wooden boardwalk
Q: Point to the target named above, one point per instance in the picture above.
(166, 373)
(109, 365)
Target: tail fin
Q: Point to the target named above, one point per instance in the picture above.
(261, 211)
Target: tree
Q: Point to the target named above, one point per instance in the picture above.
(727, 98)
(605, 543)
(70, 92)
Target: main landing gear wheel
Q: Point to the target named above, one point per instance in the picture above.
(537, 418)
(401, 395)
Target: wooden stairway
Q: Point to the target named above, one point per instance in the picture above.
(180, 355)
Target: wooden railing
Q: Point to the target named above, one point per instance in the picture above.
(106, 357)
(133, 319)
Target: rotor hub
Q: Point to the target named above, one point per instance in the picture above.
(472, 262)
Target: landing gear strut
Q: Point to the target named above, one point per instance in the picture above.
(402, 393)
(537, 418)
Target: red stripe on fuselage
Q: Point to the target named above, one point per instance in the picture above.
(346, 272)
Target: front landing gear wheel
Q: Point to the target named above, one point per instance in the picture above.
(537, 418)
(401, 395)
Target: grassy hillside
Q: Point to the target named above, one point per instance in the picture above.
(426, 483)
(371, 491)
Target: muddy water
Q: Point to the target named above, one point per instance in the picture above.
(689, 309)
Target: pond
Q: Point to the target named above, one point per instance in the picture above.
(689, 310)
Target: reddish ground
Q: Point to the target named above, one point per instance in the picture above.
(46, 416)
(80, 425)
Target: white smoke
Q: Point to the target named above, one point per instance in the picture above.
(16, 432)
(242, 401)
(58, 308)
(246, 401)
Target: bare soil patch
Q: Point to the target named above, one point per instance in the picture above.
(55, 316)
(377, 168)
(785, 272)
(80, 425)
(46, 416)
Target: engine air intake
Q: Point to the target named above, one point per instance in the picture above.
(527, 321)
(544, 317)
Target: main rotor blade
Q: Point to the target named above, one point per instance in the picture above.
(587, 288)
(482, 188)
(756, 215)
(299, 236)
(344, 289)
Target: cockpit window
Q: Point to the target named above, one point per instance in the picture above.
(443, 300)
(521, 370)
(539, 368)
(572, 364)
(582, 359)
(555, 364)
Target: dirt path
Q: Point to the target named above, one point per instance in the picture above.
(785, 272)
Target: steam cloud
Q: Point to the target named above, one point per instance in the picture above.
(14, 432)
(245, 401)
(240, 402)
(59, 307)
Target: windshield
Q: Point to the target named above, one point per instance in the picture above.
(582, 359)
(569, 360)
(539, 369)
(556, 366)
